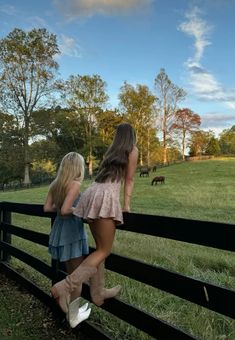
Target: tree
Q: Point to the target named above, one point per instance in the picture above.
(27, 71)
(169, 95)
(227, 141)
(107, 122)
(61, 127)
(199, 142)
(11, 149)
(213, 147)
(186, 121)
(86, 95)
(137, 105)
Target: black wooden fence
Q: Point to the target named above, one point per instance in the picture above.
(210, 296)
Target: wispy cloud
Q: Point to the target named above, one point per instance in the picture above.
(8, 9)
(216, 119)
(73, 9)
(36, 21)
(203, 83)
(197, 28)
(68, 46)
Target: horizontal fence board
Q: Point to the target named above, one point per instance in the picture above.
(218, 299)
(94, 332)
(32, 261)
(26, 209)
(180, 229)
(155, 327)
(146, 322)
(29, 235)
(210, 234)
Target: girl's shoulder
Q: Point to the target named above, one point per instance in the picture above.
(134, 152)
(135, 149)
(74, 184)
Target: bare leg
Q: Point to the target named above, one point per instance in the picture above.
(72, 264)
(103, 231)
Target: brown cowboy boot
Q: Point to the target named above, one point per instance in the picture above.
(97, 290)
(61, 290)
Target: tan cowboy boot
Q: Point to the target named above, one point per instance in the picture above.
(97, 290)
(61, 290)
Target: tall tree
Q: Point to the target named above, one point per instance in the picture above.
(227, 141)
(169, 95)
(61, 127)
(11, 149)
(27, 72)
(107, 123)
(86, 95)
(213, 147)
(186, 121)
(199, 142)
(138, 106)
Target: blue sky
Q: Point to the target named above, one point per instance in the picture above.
(130, 40)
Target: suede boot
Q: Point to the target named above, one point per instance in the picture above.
(61, 290)
(97, 290)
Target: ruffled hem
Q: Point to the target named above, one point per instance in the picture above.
(66, 231)
(69, 251)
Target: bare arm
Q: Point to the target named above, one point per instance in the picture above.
(72, 194)
(129, 178)
(49, 205)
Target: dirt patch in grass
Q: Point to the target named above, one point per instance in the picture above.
(24, 317)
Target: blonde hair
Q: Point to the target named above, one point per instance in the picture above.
(71, 168)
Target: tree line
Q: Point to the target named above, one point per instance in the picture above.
(43, 117)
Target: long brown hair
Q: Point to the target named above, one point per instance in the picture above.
(71, 168)
(114, 164)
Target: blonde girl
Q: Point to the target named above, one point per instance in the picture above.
(68, 237)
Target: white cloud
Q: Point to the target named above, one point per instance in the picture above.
(203, 83)
(217, 122)
(197, 28)
(215, 118)
(68, 46)
(73, 9)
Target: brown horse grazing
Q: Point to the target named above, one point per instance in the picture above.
(160, 179)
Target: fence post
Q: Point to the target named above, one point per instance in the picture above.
(1, 232)
(5, 236)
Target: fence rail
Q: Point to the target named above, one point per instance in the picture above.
(210, 296)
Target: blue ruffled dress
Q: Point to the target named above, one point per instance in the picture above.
(68, 237)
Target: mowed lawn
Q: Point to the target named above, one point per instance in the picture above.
(202, 190)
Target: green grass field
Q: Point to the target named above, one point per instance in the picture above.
(202, 190)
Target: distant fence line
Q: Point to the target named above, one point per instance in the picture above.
(210, 296)
(40, 182)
